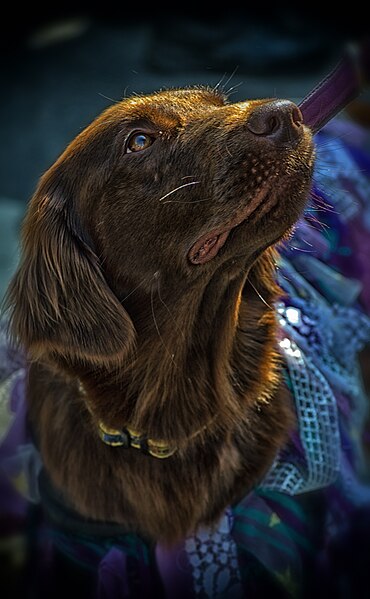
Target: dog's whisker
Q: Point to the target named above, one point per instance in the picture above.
(343, 135)
(319, 204)
(327, 165)
(316, 206)
(259, 295)
(171, 355)
(309, 225)
(298, 249)
(180, 202)
(180, 331)
(219, 82)
(108, 98)
(307, 243)
(229, 79)
(317, 201)
(135, 289)
(233, 89)
(318, 222)
(318, 198)
(178, 188)
(322, 149)
(228, 151)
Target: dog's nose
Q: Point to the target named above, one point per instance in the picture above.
(279, 120)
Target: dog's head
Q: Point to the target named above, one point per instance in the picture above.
(178, 185)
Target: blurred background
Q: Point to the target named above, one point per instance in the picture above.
(61, 66)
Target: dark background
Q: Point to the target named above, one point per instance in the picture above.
(61, 66)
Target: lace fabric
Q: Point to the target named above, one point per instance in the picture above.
(213, 557)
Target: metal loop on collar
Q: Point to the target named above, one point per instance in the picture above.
(129, 438)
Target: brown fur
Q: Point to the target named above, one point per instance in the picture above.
(105, 294)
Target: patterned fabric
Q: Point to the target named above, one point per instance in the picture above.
(19, 460)
(276, 540)
(214, 561)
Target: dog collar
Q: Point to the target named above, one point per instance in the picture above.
(127, 437)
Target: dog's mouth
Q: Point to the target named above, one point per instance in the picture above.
(208, 246)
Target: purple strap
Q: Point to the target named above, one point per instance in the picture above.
(338, 88)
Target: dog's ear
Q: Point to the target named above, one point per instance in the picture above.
(59, 301)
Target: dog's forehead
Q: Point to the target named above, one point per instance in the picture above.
(173, 107)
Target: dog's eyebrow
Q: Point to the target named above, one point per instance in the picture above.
(171, 109)
(152, 115)
(141, 122)
(158, 120)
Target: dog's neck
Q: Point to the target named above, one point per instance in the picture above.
(211, 375)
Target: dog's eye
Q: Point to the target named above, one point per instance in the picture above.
(138, 141)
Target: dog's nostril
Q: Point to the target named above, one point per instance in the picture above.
(272, 124)
(280, 120)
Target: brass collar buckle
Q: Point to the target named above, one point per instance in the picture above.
(128, 438)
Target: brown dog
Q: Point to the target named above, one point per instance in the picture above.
(145, 300)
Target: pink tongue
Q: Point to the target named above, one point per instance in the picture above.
(208, 249)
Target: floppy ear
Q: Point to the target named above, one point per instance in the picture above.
(59, 300)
